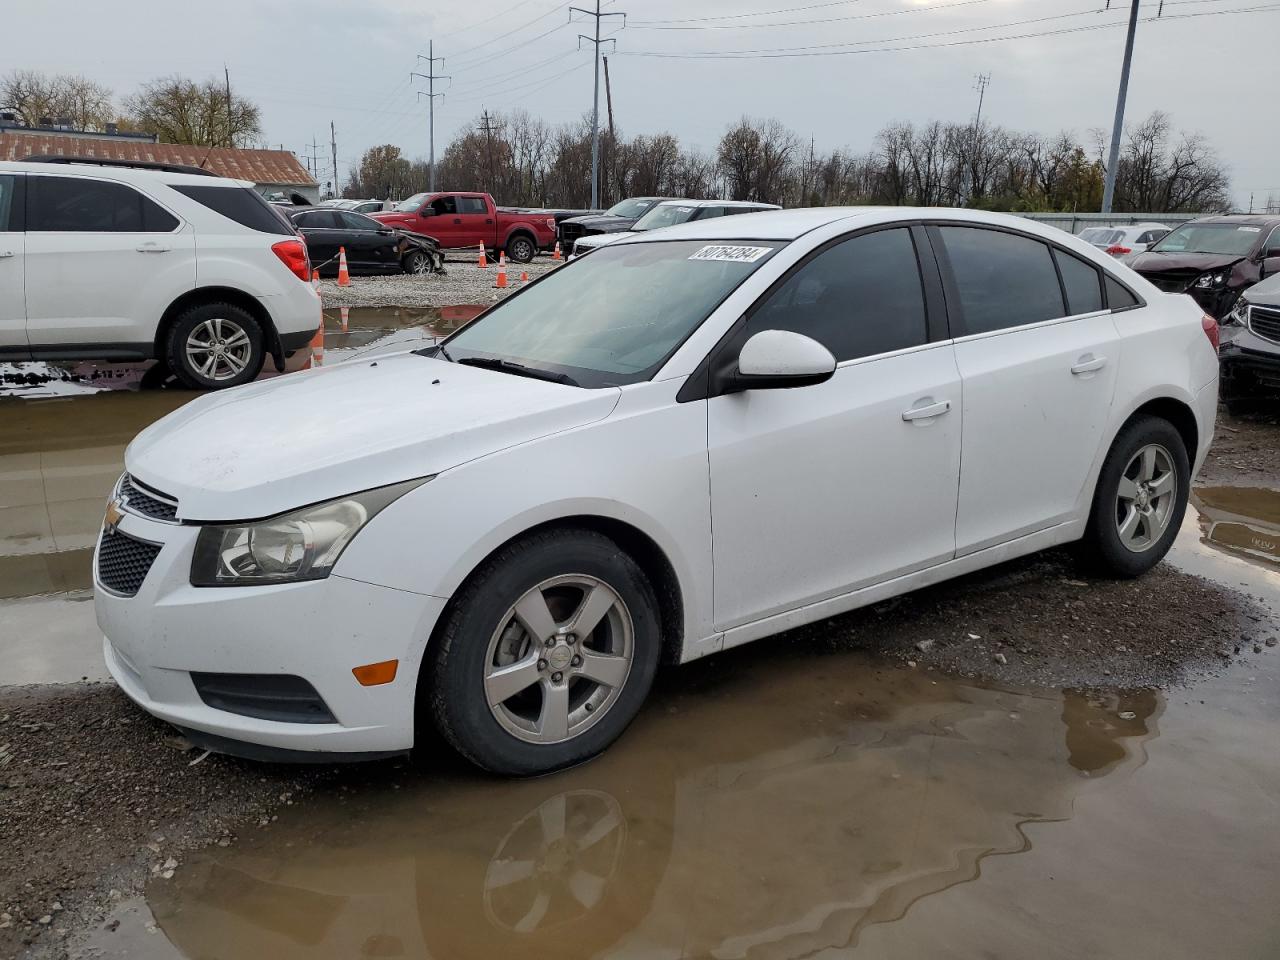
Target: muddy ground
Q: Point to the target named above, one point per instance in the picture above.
(1246, 449)
(463, 282)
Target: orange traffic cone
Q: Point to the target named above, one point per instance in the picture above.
(344, 278)
(346, 316)
(555, 254)
(524, 276)
(317, 346)
(315, 275)
(482, 263)
(502, 270)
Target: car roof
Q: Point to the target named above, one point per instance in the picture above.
(122, 172)
(1252, 219)
(719, 203)
(792, 224)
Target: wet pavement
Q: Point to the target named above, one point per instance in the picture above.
(784, 801)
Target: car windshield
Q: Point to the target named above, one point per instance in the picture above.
(412, 204)
(614, 317)
(665, 215)
(630, 208)
(1224, 239)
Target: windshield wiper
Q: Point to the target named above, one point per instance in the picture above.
(518, 369)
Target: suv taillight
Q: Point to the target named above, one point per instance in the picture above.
(1118, 251)
(1210, 328)
(293, 254)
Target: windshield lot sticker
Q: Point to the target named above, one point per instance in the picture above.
(731, 254)
(1249, 229)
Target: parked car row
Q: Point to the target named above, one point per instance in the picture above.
(669, 213)
(460, 220)
(1123, 241)
(371, 247)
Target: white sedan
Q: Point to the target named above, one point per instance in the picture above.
(670, 213)
(1127, 240)
(684, 442)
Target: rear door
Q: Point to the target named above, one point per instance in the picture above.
(1038, 358)
(320, 229)
(477, 220)
(13, 299)
(103, 263)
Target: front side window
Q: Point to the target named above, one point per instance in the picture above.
(472, 205)
(354, 221)
(1084, 292)
(444, 205)
(1222, 239)
(614, 317)
(79, 205)
(858, 298)
(1003, 279)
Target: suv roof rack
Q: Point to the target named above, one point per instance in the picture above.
(110, 162)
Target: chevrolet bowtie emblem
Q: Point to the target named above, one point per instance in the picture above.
(112, 519)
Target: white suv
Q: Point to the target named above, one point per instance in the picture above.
(109, 261)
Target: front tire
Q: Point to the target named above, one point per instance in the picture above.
(417, 262)
(1140, 499)
(521, 249)
(215, 345)
(546, 654)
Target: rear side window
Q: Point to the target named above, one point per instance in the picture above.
(859, 298)
(240, 204)
(472, 205)
(8, 187)
(1084, 292)
(318, 219)
(1003, 279)
(1119, 297)
(79, 205)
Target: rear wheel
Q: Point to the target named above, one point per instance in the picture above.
(215, 345)
(546, 655)
(1140, 499)
(521, 249)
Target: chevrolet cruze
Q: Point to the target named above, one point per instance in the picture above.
(684, 442)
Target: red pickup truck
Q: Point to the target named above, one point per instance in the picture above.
(470, 219)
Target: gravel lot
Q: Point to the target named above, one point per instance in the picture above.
(465, 283)
(1245, 451)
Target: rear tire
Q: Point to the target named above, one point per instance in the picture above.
(1139, 501)
(212, 346)
(559, 696)
(521, 249)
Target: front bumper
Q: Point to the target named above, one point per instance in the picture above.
(1250, 365)
(318, 630)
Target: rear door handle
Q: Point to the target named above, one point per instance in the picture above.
(457, 219)
(926, 411)
(1088, 364)
(153, 247)
(5, 253)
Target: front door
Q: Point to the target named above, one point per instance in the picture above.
(816, 491)
(103, 264)
(1038, 360)
(13, 300)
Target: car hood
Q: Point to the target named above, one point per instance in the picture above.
(602, 239)
(605, 224)
(1160, 262)
(282, 443)
(1265, 292)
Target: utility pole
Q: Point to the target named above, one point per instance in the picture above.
(431, 77)
(595, 103)
(1117, 128)
(980, 84)
(226, 75)
(486, 126)
(613, 141)
(333, 145)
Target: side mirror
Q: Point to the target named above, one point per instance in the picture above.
(774, 359)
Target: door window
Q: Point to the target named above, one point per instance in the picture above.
(472, 205)
(859, 298)
(7, 187)
(1080, 280)
(1119, 297)
(444, 205)
(353, 221)
(74, 204)
(1003, 279)
(318, 220)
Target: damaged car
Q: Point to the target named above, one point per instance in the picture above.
(371, 247)
(1249, 354)
(1214, 259)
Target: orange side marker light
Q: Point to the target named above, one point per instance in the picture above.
(372, 674)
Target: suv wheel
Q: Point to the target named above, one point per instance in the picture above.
(1140, 499)
(215, 345)
(546, 655)
(521, 249)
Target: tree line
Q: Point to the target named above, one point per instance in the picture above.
(175, 109)
(523, 161)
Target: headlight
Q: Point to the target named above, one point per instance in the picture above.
(1207, 280)
(301, 545)
(1239, 313)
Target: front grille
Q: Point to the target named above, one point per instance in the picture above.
(123, 562)
(137, 498)
(1265, 323)
(264, 696)
(569, 232)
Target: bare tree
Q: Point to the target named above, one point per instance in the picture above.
(179, 110)
(35, 97)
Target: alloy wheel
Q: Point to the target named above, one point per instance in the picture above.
(558, 659)
(1146, 497)
(218, 349)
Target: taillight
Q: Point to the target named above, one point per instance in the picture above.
(1118, 251)
(293, 254)
(1210, 328)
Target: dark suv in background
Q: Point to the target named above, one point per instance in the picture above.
(1214, 259)
(617, 218)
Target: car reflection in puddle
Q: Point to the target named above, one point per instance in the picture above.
(772, 806)
(1242, 521)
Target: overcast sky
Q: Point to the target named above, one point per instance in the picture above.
(307, 64)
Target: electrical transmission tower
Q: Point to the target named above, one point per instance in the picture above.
(431, 77)
(486, 127)
(595, 104)
(980, 83)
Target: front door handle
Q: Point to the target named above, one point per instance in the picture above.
(5, 253)
(457, 219)
(1088, 364)
(926, 410)
(489, 221)
(153, 247)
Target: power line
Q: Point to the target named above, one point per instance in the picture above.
(503, 36)
(481, 23)
(758, 13)
(822, 20)
(487, 59)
